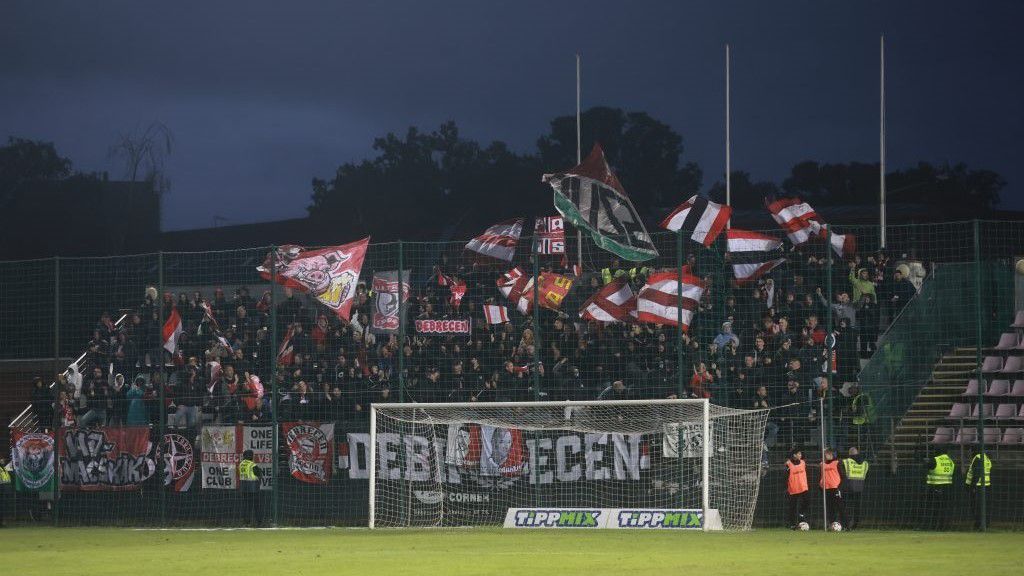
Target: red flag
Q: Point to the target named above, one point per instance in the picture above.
(171, 330)
(498, 241)
(801, 223)
(658, 301)
(329, 274)
(518, 287)
(495, 314)
(615, 302)
(699, 218)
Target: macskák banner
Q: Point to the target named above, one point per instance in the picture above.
(106, 458)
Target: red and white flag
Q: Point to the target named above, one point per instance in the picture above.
(498, 241)
(549, 235)
(615, 302)
(801, 223)
(329, 274)
(456, 286)
(659, 302)
(286, 351)
(699, 218)
(752, 255)
(172, 330)
(518, 287)
(495, 314)
(208, 314)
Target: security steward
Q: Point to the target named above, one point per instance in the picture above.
(938, 485)
(979, 474)
(5, 488)
(855, 475)
(249, 476)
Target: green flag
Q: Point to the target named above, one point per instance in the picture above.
(590, 197)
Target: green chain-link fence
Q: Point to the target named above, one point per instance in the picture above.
(925, 364)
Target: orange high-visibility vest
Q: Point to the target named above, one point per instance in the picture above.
(830, 475)
(797, 481)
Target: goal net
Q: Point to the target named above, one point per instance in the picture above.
(622, 464)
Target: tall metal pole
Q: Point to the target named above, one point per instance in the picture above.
(536, 323)
(681, 383)
(728, 134)
(401, 323)
(830, 330)
(881, 145)
(273, 386)
(978, 310)
(161, 393)
(579, 158)
(56, 359)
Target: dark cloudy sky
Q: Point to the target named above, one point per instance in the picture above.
(264, 95)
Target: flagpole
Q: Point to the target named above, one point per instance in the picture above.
(728, 138)
(881, 144)
(579, 158)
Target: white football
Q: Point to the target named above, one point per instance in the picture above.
(804, 526)
(837, 527)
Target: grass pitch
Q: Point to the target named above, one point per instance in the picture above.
(78, 551)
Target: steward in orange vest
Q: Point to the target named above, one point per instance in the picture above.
(831, 478)
(796, 488)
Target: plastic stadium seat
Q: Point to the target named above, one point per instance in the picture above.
(1019, 321)
(972, 388)
(1006, 411)
(1017, 389)
(1014, 365)
(1013, 436)
(967, 435)
(959, 410)
(989, 410)
(1008, 341)
(1020, 415)
(992, 364)
(943, 435)
(998, 388)
(992, 435)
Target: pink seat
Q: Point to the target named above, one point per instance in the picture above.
(1019, 320)
(998, 388)
(1008, 341)
(987, 412)
(1018, 388)
(943, 435)
(992, 435)
(992, 364)
(967, 435)
(959, 410)
(972, 388)
(1014, 365)
(1020, 415)
(1013, 437)
(1006, 411)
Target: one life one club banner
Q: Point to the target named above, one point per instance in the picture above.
(222, 448)
(106, 458)
(310, 448)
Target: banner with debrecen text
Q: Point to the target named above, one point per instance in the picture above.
(309, 451)
(222, 448)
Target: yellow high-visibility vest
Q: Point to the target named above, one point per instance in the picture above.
(986, 465)
(247, 470)
(942, 473)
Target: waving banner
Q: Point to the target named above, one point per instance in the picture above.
(385, 300)
(309, 451)
(590, 197)
(222, 448)
(105, 459)
(32, 457)
(329, 274)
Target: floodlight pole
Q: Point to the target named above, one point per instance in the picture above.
(728, 136)
(881, 145)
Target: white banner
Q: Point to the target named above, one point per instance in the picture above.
(613, 518)
(222, 448)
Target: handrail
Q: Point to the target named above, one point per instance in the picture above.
(27, 419)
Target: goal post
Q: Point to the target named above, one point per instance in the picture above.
(581, 464)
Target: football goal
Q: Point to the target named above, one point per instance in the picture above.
(679, 464)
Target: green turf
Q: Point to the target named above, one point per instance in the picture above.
(78, 551)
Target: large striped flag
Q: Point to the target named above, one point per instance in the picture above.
(801, 223)
(498, 241)
(699, 218)
(615, 302)
(658, 301)
(752, 255)
(518, 288)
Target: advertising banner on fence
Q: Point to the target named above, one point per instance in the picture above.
(108, 458)
(178, 456)
(309, 451)
(613, 518)
(32, 458)
(222, 447)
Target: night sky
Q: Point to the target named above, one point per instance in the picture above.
(262, 96)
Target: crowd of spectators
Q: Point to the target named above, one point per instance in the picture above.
(760, 346)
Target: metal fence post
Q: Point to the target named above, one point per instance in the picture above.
(681, 385)
(273, 387)
(56, 360)
(162, 406)
(830, 338)
(401, 322)
(981, 383)
(536, 324)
